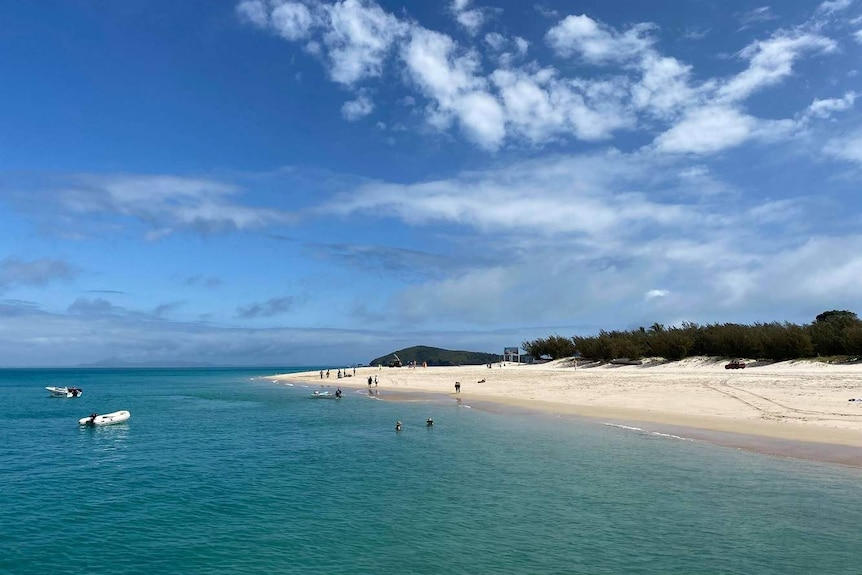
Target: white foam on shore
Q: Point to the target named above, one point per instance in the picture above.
(641, 430)
(630, 428)
(671, 436)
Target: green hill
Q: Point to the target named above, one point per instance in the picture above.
(436, 356)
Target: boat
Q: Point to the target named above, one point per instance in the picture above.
(105, 418)
(65, 391)
(325, 395)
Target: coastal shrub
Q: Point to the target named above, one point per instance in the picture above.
(779, 342)
(833, 333)
(554, 347)
(672, 344)
(830, 332)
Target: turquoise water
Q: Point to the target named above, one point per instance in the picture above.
(217, 472)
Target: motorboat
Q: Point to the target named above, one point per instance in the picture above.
(325, 395)
(65, 391)
(105, 418)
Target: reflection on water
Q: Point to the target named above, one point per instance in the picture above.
(105, 440)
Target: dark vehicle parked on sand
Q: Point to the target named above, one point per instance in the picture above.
(735, 364)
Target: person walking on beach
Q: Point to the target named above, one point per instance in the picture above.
(369, 381)
(375, 381)
(321, 374)
(327, 374)
(457, 387)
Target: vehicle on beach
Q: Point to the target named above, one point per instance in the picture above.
(65, 391)
(735, 364)
(105, 419)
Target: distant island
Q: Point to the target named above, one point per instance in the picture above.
(434, 356)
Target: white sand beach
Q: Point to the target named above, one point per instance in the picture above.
(800, 401)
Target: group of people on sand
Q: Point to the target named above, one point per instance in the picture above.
(341, 373)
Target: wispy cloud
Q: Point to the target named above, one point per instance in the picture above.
(162, 205)
(832, 6)
(755, 16)
(848, 148)
(97, 307)
(204, 281)
(269, 308)
(39, 272)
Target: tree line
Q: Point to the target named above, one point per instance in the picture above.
(836, 332)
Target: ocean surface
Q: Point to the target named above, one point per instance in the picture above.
(218, 471)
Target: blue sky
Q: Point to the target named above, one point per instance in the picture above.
(264, 182)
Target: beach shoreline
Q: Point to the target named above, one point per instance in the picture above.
(793, 409)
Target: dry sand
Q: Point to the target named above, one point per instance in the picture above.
(790, 408)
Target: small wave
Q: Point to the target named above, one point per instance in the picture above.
(651, 433)
(671, 436)
(630, 428)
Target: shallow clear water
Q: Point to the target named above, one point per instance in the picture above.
(217, 472)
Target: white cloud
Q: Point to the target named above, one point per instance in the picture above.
(832, 6)
(507, 50)
(454, 85)
(358, 38)
(826, 107)
(253, 11)
(664, 87)
(356, 109)
(817, 270)
(770, 61)
(540, 106)
(292, 20)
(496, 41)
(707, 130)
(847, 148)
(656, 294)
(596, 42)
(583, 195)
(471, 19)
(356, 35)
(858, 36)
